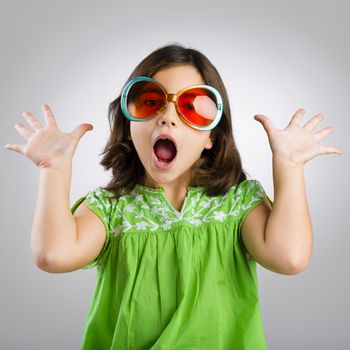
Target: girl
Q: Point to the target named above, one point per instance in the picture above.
(177, 232)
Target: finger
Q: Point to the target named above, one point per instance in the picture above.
(323, 133)
(16, 148)
(49, 116)
(330, 150)
(295, 121)
(266, 122)
(32, 121)
(81, 129)
(313, 121)
(23, 131)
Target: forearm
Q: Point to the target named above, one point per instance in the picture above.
(53, 228)
(289, 227)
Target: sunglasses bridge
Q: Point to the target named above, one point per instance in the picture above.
(172, 98)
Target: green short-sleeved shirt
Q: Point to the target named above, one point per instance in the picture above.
(170, 280)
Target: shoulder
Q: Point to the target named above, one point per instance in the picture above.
(101, 198)
(99, 201)
(251, 194)
(250, 184)
(251, 203)
(248, 191)
(100, 193)
(256, 209)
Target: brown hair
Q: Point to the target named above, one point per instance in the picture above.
(218, 169)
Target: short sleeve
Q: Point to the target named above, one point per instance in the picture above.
(252, 194)
(97, 201)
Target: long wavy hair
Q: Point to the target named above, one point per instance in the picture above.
(218, 168)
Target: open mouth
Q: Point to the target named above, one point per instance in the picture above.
(165, 150)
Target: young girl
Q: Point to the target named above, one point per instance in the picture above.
(177, 232)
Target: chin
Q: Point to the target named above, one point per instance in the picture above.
(161, 180)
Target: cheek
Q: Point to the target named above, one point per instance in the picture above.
(200, 140)
(193, 149)
(133, 129)
(139, 136)
(135, 137)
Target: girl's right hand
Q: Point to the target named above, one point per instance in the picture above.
(48, 146)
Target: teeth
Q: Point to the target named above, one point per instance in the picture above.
(163, 138)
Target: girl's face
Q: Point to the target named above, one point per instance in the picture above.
(190, 142)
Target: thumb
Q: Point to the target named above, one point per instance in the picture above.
(266, 123)
(81, 129)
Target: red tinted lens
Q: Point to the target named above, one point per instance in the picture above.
(198, 106)
(145, 99)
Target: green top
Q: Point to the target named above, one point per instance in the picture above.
(174, 280)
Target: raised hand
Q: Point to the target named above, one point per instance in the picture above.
(47, 146)
(297, 144)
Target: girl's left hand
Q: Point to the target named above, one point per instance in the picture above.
(296, 144)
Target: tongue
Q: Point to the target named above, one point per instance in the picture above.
(165, 150)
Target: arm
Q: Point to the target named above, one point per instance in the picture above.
(59, 241)
(53, 227)
(280, 238)
(289, 227)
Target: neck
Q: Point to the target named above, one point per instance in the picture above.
(173, 189)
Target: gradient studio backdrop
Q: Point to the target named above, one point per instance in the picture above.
(273, 56)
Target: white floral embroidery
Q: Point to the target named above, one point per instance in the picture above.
(140, 215)
(162, 218)
(138, 198)
(126, 225)
(117, 230)
(130, 207)
(167, 225)
(155, 210)
(205, 204)
(141, 225)
(219, 215)
(149, 209)
(195, 222)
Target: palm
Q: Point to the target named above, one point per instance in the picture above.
(298, 144)
(47, 146)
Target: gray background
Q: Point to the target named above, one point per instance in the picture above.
(274, 57)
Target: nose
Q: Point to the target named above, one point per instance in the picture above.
(169, 114)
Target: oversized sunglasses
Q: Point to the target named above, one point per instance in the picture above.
(199, 106)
